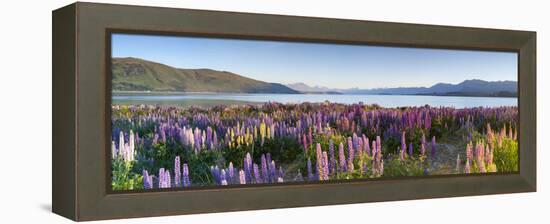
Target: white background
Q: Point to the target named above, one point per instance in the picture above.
(25, 130)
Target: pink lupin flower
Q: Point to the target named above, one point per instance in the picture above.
(401, 154)
(242, 178)
(319, 157)
(480, 151)
(342, 158)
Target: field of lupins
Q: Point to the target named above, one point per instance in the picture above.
(169, 147)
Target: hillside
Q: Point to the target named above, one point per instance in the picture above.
(133, 74)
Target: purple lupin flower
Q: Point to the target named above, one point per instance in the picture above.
(167, 179)
(355, 141)
(310, 136)
(350, 155)
(162, 181)
(231, 173)
(269, 170)
(366, 147)
(265, 173)
(223, 177)
(342, 158)
(248, 167)
(162, 135)
(273, 171)
(434, 147)
(146, 183)
(215, 173)
(304, 142)
(403, 144)
(332, 164)
(257, 176)
(427, 121)
(281, 173)
(185, 175)
(215, 140)
(309, 170)
(209, 138)
(268, 158)
(177, 172)
(411, 149)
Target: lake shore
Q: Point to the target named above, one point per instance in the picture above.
(387, 101)
(125, 93)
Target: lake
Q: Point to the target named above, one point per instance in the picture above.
(205, 99)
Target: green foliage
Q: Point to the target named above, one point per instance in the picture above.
(199, 169)
(123, 177)
(409, 167)
(506, 157)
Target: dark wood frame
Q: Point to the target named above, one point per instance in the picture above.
(81, 110)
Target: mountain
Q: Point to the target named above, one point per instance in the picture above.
(304, 88)
(473, 87)
(134, 74)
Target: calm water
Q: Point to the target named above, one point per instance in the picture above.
(180, 99)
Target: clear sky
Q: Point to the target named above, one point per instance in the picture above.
(329, 65)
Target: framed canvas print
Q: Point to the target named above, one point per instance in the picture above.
(201, 111)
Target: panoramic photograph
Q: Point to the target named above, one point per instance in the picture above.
(197, 112)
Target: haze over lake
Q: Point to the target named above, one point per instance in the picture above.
(389, 101)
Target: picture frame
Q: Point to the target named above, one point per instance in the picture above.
(81, 110)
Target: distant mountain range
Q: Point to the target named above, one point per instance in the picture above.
(134, 74)
(474, 87)
(304, 88)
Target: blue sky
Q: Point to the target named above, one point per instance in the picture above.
(330, 65)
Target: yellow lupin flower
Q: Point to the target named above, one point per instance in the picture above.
(262, 129)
